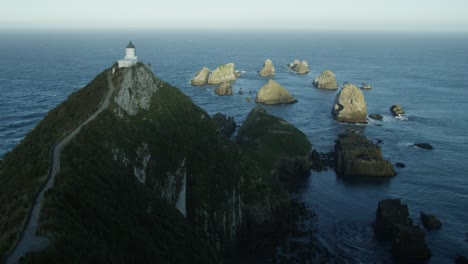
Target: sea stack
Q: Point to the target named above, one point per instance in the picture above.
(224, 89)
(273, 93)
(223, 73)
(349, 105)
(201, 78)
(300, 67)
(268, 69)
(326, 80)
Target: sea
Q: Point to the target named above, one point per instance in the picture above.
(425, 73)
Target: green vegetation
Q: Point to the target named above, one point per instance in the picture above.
(98, 211)
(271, 139)
(25, 168)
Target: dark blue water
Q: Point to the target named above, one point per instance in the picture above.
(426, 74)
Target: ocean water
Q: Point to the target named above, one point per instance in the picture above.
(426, 73)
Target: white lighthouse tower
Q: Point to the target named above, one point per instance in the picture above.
(130, 57)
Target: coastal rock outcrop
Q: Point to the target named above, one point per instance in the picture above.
(326, 80)
(349, 105)
(300, 67)
(355, 155)
(224, 89)
(153, 142)
(430, 221)
(223, 73)
(201, 78)
(268, 69)
(280, 147)
(391, 212)
(393, 222)
(397, 110)
(226, 124)
(273, 93)
(409, 244)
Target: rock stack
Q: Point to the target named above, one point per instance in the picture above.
(355, 155)
(273, 93)
(300, 67)
(326, 80)
(349, 105)
(408, 241)
(268, 69)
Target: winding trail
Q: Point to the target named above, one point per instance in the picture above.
(29, 241)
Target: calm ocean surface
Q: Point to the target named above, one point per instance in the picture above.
(426, 73)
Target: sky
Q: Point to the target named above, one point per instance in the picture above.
(401, 15)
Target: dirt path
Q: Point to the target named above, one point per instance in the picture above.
(29, 241)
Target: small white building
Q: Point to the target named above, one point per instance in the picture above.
(130, 57)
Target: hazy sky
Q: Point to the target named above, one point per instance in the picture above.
(428, 15)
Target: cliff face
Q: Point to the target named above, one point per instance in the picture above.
(123, 178)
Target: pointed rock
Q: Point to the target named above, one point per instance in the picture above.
(201, 78)
(274, 93)
(268, 69)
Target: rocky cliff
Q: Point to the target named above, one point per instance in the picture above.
(148, 180)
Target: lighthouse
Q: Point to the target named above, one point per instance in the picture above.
(130, 57)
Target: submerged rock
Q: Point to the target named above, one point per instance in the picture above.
(349, 105)
(226, 124)
(224, 89)
(326, 80)
(397, 110)
(201, 78)
(424, 146)
(274, 93)
(268, 69)
(376, 117)
(400, 165)
(355, 155)
(300, 67)
(430, 221)
(223, 73)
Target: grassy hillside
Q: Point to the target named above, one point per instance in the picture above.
(25, 168)
(270, 139)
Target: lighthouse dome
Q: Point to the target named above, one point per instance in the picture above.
(130, 45)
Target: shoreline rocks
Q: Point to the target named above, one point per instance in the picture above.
(223, 73)
(326, 80)
(268, 69)
(349, 105)
(300, 67)
(224, 89)
(355, 155)
(273, 93)
(397, 110)
(201, 78)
